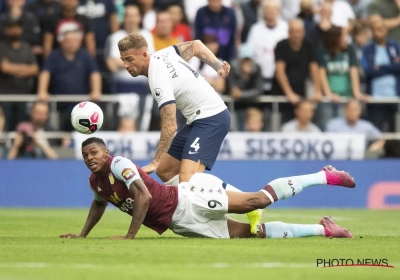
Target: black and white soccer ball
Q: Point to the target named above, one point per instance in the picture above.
(87, 117)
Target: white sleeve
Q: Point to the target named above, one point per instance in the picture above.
(160, 83)
(124, 170)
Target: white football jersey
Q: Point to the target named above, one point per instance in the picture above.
(172, 80)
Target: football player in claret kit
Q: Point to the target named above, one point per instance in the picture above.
(197, 208)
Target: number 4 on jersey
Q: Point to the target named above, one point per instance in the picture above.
(195, 145)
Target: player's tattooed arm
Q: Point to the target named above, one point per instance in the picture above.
(142, 198)
(168, 129)
(196, 48)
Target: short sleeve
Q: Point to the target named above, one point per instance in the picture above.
(311, 54)
(321, 57)
(160, 83)
(110, 7)
(124, 170)
(49, 63)
(352, 56)
(280, 52)
(97, 197)
(87, 26)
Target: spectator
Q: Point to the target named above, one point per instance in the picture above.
(359, 8)
(192, 7)
(254, 120)
(351, 123)
(290, 9)
(44, 10)
(215, 19)
(30, 24)
(389, 10)
(245, 80)
(18, 66)
(130, 89)
(304, 112)
(360, 37)
(244, 83)
(342, 14)
(338, 72)
(247, 14)
(181, 28)
(69, 70)
(162, 33)
(295, 61)
(68, 20)
(103, 16)
(209, 74)
(307, 15)
(120, 8)
(30, 141)
(148, 12)
(126, 126)
(324, 24)
(391, 149)
(381, 62)
(273, 28)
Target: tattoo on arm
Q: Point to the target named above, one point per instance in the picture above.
(168, 129)
(186, 50)
(216, 65)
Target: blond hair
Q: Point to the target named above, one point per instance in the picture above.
(132, 41)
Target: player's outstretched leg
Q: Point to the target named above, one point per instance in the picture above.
(284, 188)
(327, 227)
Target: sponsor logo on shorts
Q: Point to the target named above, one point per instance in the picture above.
(193, 153)
(128, 174)
(213, 203)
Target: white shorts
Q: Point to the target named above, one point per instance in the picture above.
(202, 208)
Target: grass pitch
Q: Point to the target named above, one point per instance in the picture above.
(30, 249)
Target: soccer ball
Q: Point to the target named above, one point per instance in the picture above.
(87, 117)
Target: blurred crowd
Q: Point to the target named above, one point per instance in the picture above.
(301, 49)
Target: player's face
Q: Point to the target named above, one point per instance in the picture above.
(95, 157)
(134, 61)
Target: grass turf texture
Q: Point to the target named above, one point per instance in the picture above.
(30, 248)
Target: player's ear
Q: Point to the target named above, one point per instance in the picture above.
(107, 152)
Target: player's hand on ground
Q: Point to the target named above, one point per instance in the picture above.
(225, 69)
(119, 238)
(71, 235)
(150, 168)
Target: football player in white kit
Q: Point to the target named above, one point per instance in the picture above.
(174, 84)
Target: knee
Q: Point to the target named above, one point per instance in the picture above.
(164, 174)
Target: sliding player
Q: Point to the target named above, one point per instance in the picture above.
(197, 208)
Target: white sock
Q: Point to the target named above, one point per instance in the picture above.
(284, 230)
(174, 181)
(284, 188)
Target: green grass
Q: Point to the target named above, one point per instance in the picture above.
(30, 249)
